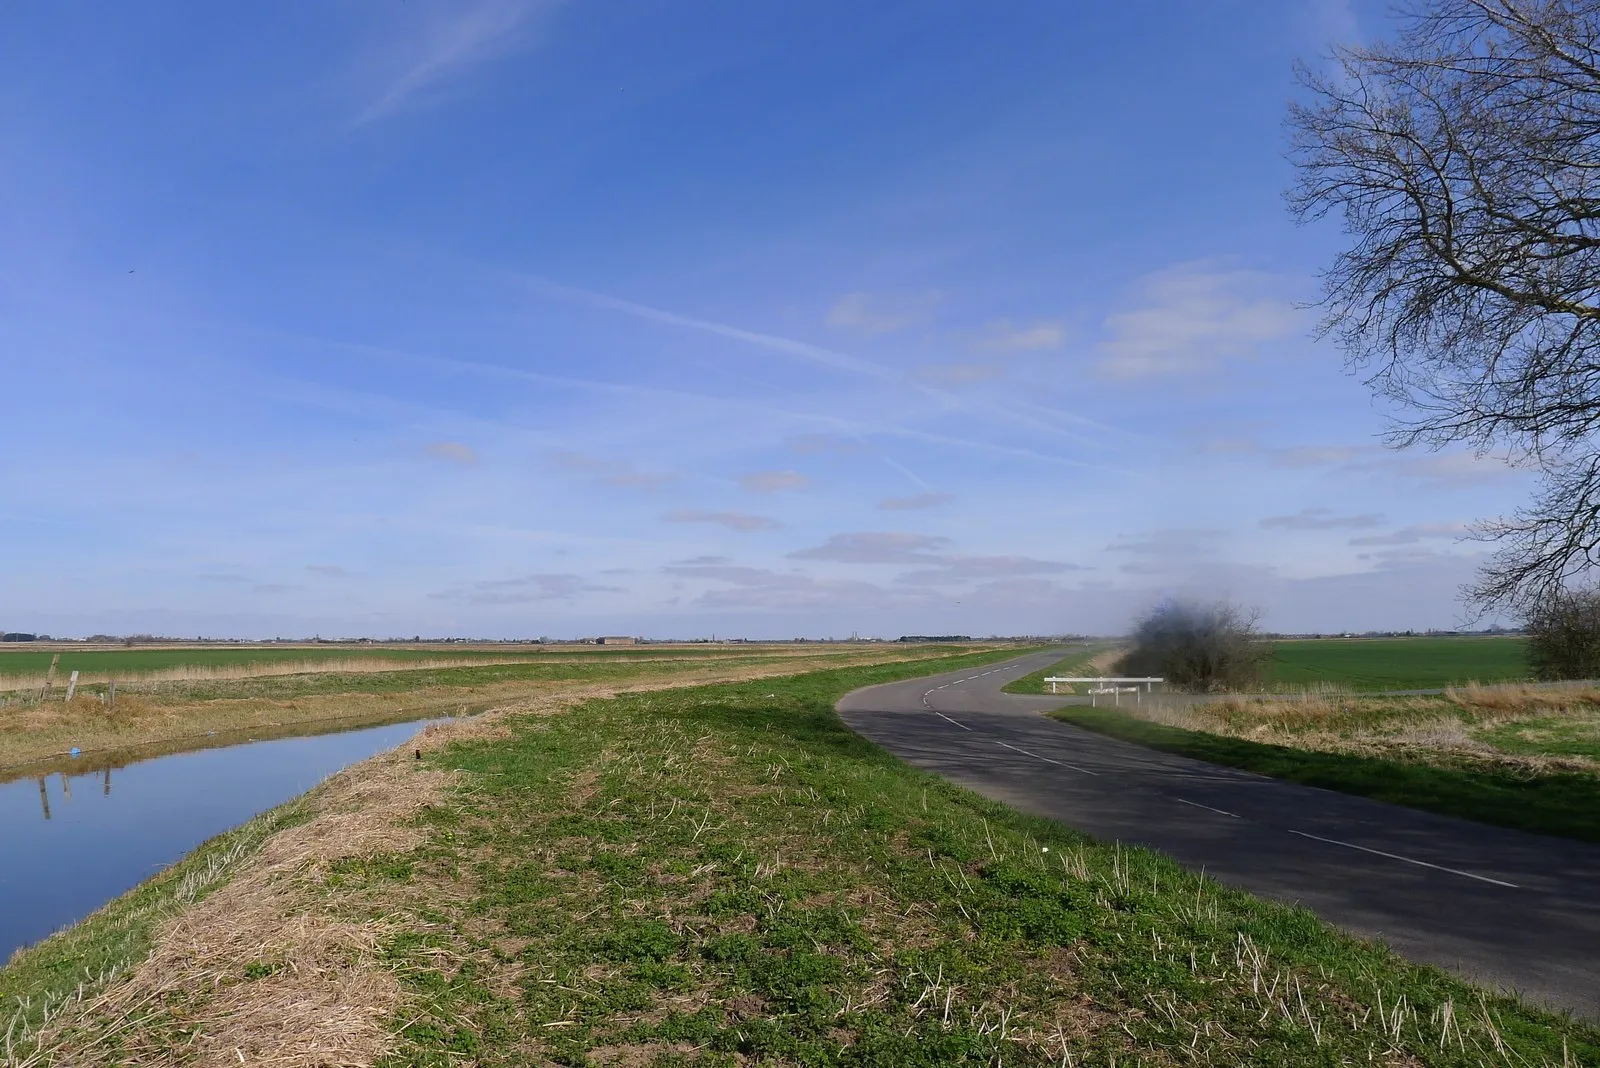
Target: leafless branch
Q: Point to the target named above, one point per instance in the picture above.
(1464, 160)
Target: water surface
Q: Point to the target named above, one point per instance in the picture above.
(70, 842)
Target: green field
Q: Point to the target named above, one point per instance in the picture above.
(1396, 663)
(24, 660)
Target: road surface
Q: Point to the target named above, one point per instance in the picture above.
(1499, 907)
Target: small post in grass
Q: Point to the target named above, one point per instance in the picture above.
(72, 685)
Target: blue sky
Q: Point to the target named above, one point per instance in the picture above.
(507, 317)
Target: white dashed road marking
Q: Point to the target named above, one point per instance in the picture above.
(1408, 860)
(1046, 759)
(1208, 808)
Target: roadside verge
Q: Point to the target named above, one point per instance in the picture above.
(1555, 803)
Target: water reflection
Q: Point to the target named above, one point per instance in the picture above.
(64, 854)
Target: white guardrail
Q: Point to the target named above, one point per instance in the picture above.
(1103, 684)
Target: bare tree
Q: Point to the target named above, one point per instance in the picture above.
(1199, 647)
(1464, 159)
(1564, 636)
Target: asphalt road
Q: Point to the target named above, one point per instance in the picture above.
(1502, 908)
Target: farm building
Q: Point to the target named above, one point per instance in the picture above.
(616, 641)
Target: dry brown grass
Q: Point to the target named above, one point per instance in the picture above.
(260, 971)
(1443, 726)
(255, 972)
(48, 729)
(1518, 700)
(264, 669)
(1104, 662)
(338, 664)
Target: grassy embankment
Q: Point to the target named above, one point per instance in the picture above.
(1509, 754)
(1092, 657)
(166, 714)
(727, 875)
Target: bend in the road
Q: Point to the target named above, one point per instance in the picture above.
(1500, 907)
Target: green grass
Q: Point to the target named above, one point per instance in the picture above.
(1071, 664)
(1564, 804)
(1560, 736)
(727, 875)
(1396, 663)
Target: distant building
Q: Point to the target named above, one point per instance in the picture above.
(619, 640)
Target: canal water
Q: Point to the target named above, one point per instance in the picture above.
(71, 842)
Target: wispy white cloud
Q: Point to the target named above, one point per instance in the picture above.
(621, 473)
(455, 452)
(525, 589)
(1437, 470)
(1320, 519)
(1413, 534)
(822, 444)
(1191, 316)
(740, 521)
(1441, 470)
(815, 353)
(958, 570)
(447, 41)
(773, 481)
(872, 314)
(1005, 337)
(1056, 425)
(1314, 455)
(1170, 550)
(958, 374)
(359, 401)
(763, 589)
(871, 547)
(915, 502)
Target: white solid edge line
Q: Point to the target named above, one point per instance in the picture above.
(1047, 760)
(1409, 860)
(1208, 808)
(947, 719)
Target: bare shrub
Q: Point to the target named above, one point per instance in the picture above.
(1198, 647)
(1564, 635)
